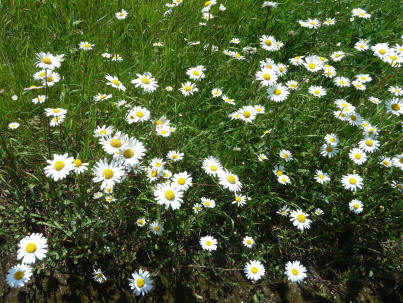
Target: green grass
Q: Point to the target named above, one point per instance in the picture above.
(341, 250)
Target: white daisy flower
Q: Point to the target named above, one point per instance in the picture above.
(102, 97)
(182, 180)
(229, 180)
(98, 276)
(18, 275)
(369, 145)
(208, 243)
(240, 200)
(13, 125)
(39, 99)
(121, 15)
(156, 228)
(248, 242)
(216, 92)
(79, 166)
(284, 179)
(146, 82)
(357, 156)
(108, 173)
(103, 131)
(277, 92)
(283, 211)
(295, 271)
(113, 144)
(137, 114)
(114, 82)
(208, 203)
(188, 88)
(59, 167)
(168, 194)
(299, 219)
(317, 91)
(321, 177)
(328, 150)
(141, 222)
(196, 73)
(47, 61)
(286, 155)
(84, 45)
(352, 182)
(266, 77)
(254, 270)
(141, 282)
(31, 248)
(356, 206)
(211, 166)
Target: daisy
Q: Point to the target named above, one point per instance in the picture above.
(57, 121)
(369, 145)
(337, 56)
(141, 222)
(108, 173)
(235, 41)
(299, 219)
(342, 82)
(40, 75)
(175, 156)
(106, 55)
(240, 200)
(47, 61)
(101, 97)
(18, 275)
(31, 248)
(359, 85)
(84, 45)
(298, 60)
(182, 180)
(352, 182)
(397, 185)
(329, 21)
(281, 69)
(374, 100)
(318, 212)
(262, 157)
(354, 119)
(286, 155)
(284, 179)
(188, 88)
(132, 152)
(386, 161)
(254, 270)
(164, 130)
(169, 88)
(317, 91)
(196, 73)
(361, 45)
(13, 125)
(121, 15)
(113, 144)
(283, 211)
(259, 109)
(313, 63)
(321, 177)
(208, 243)
(394, 106)
(103, 131)
(55, 112)
(371, 131)
(137, 114)
(395, 90)
(357, 156)
(153, 174)
(158, 44)
(116, 58)
(266, 77)
(114, 82)
(398, 161)
(59, 167)
(169, 195)
(156, 228)
(141, 282)
(228, 100)
(356, 206)
(248, 242)
(328, 150)
(247, 113)
(292, 84)
(295, 271)
(268, 43)
(209, 203)
(157, 163)
(98, 276)
(146, 82)
(380, 49)
(211, 166)
(332, 139)
(229, 180)
(197, 208)
(216, 92)
(39, 99)
(268, 64)
(278, 92)
(313, 23)
(329, 71)
(364, 78)
(51, 78)
(79, 166)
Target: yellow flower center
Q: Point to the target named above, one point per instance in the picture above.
(311, 65)
(50, 79)
(329, 149)
(145, 80)
(266, 77)
(382, 51)
(196, 73)
(140, 114)
(181, 181)
(356, 206)
(353, 181)
(207, 3)
(163, 131)
(174, 156)
(141, 221)
(399, 186)
(294, 271)
(208, 243)
(254, 270)
(107, 173)
(116, 143)
(279, 172)
(77, 162)
(231, 179)
(357, 156)
(18, 275)
(59, 165)
(30, 248)
(207, 203)
(316, 91)
(102, 96)
(267, 42)
(99, 275)
(386, 162)
(396, 106)
(169, 195)
(128, 153)
(249, 242)
(47, 60)
(140, 282)
(321, 176)
(281, 69)
(246, 114)
(283, 180)
(187, 88)
(301, 218)
(153, 173)
(116, 82)
(42, 74)
(238, 199)
(156, 228)
(277, 92)
(213, 168)
(121, 14)
(86, 45)
(102, 132)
